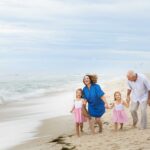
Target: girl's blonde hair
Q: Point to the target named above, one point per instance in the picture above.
(93, 78)
(79, 89)
(117, 92)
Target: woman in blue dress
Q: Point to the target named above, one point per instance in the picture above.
(96, 100)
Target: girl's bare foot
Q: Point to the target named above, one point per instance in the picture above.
(121, 126)
(121, 129)
(115, 129)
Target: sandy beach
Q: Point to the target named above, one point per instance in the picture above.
(59, 134)
(64, 138)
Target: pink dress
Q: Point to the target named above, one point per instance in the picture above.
(79, 118)
(119, 115)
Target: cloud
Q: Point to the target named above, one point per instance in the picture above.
(43, 9)
(73, 24)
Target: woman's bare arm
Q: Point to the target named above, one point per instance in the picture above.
(105, 101)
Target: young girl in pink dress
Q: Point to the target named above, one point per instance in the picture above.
(119, 115)
(77, 110)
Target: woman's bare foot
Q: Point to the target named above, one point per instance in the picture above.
(100, 130)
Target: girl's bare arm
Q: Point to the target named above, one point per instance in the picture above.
(72, 109)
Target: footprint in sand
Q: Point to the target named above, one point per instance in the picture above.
(66, 148)
(148, 138)
(140, 148)
(114, 146)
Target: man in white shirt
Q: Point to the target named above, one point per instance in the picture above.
(139, 89)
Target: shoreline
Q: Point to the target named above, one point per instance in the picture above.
(49, 130)
(19, 120)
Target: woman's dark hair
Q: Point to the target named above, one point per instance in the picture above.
(93, 78)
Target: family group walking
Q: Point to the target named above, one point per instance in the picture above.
(138, 94)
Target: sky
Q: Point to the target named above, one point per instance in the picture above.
(74, 36)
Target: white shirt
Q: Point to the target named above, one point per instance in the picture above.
(78, 103)
(139, 88)
(119, 107)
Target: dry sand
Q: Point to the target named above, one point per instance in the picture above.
(59, 134)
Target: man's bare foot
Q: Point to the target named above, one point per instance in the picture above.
(141, 128)
(134, 124)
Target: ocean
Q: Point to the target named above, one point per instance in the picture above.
(23, 87)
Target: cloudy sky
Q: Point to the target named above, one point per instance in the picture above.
(73, 35)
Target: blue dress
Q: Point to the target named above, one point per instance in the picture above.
(96, 106)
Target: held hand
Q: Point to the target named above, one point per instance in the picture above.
(111, 105)
(128, 99)
(107, 106)
(148, 102)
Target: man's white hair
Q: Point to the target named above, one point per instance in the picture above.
(131, 73)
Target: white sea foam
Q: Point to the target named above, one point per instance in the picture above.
(20, 119)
